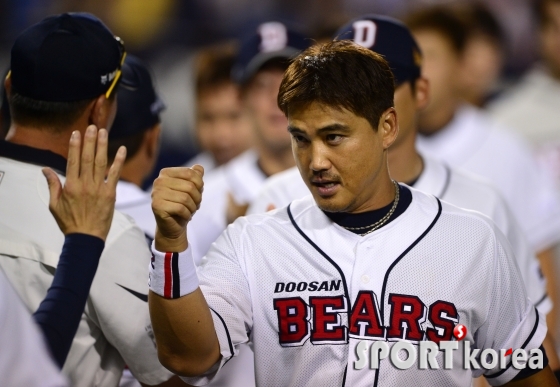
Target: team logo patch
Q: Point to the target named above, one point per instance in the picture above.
(330, 320)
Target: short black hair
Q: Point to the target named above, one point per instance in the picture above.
(442, 20)
(45, 114)
(132, 144)
(340, 74)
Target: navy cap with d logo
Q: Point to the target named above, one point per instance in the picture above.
(389, 38)
(65, 58)
(272, 40)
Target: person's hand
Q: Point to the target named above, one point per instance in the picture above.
(176, 196)
(87, 201)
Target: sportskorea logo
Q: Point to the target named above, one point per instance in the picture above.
(424, 355)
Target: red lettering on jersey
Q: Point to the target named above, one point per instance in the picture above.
(443, 316)
(293, 325)
(365, 312)
(410, 311)
(327, 326)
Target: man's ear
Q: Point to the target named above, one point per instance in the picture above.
(102, 113)
(151, 137)
(8, 84)
(389, 126)
(422, 92)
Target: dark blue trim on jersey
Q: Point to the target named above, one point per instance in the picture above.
(447, 181)
(227, 333)
(541, 300)
(522, 347)
(30, 155)
(396, 261)
(526, 372)
(382, 300)
(346, 294)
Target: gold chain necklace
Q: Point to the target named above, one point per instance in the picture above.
(383, 220)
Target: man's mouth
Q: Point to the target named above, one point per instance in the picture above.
(325, 188)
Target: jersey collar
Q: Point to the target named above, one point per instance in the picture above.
(27, 154)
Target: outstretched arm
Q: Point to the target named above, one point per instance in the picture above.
(183, 327)
(83, 210)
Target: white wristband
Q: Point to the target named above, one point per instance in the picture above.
(172, 275)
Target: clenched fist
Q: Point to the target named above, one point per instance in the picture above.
(176, 196)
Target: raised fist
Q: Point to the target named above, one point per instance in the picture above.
(176, 196)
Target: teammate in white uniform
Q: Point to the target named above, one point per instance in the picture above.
(396, 44)
(69, 66)
(259, 66)
(365, 258)
(466, 138)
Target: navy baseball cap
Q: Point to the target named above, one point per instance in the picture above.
(139, 106)
(389, 38)
(273, 40)
(65, 58)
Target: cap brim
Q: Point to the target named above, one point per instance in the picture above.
(260, 59)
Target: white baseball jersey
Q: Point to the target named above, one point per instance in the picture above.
(136, 203)
(474, 143)
(24, 358)
(531, 110)
(458, 188)
(306, 291)
(115, 327)
(243, 179)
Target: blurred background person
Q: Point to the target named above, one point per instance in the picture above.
(483, 55)
(531, 107)
(263, 56)
(222, 128)
(466, 138)
(138, 127)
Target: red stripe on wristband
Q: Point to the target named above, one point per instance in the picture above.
(168, 276)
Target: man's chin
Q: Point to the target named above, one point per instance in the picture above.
(329, 204)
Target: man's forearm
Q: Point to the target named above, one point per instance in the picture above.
(185, 335)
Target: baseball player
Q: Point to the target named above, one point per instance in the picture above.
(259, 66)
(464, 137)
(395, 42)
(222, 127)
(137, 126)
(364, 258)
(85, 220)
(64, 71)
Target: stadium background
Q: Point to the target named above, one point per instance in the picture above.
(166, 34)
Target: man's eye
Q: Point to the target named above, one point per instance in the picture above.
(299, 139)
(334, 138)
